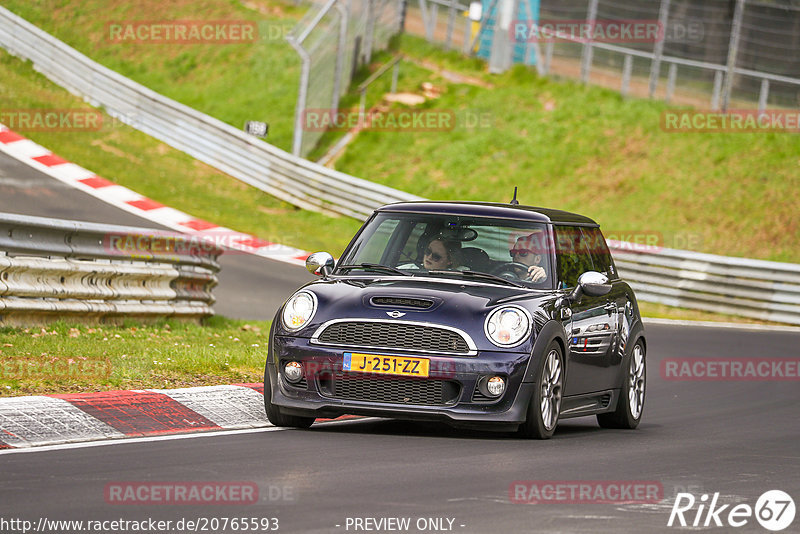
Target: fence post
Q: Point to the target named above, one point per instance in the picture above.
(658, 52)
(451, 20)
(586, 57)
(302, 94)
(369, 31)
(626, 74)
(548, 56)
(395, 75)
(733, 52)
(763, 96)
(340, 51)
(671, 77)
(717, 91)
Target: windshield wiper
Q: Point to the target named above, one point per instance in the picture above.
(483, 276)
(373, 267)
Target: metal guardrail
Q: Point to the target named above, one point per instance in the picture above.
(753, 288)
(764, 290)
(292, 179)
(50, 268)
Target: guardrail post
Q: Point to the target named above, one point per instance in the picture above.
(733, 52)
(658, 51)
(588, 52)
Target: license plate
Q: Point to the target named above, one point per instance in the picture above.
(387, 365)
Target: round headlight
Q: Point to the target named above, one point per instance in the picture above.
(508, 326)
(299, 309)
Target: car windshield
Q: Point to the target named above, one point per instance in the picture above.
(451, 246)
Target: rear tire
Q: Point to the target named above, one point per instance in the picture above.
(630, 405)
(273, 412)
(545, 406)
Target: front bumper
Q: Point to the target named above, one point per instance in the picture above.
(317, 396)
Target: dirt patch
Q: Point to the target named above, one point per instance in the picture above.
(117, 152)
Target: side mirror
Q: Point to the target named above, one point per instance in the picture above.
(591, 283)
(594, 284)
(320, 263)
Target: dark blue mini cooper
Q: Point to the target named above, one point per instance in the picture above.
(474, 314)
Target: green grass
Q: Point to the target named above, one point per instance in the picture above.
(233, 82)
(70, 358)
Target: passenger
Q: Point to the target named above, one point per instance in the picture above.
(439, 254)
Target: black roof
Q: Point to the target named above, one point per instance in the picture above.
(491, 209)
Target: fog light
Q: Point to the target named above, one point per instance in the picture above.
(293, 372)
(496, 386)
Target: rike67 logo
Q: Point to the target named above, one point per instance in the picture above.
(774, 510)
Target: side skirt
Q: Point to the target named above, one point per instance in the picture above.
(589, 404)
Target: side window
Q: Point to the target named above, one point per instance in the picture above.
(572, 255)
(601, 257)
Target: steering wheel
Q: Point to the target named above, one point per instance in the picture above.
(513, 270)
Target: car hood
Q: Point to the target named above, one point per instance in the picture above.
(455, 302)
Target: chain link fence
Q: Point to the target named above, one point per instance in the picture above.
(333, 40)
(708, 53)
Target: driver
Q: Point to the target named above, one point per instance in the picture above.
(528, 251)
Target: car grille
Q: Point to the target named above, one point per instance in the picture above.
(385, 335)
(402, 302)
(389, 389)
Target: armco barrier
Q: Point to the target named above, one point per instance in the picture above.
(752, 288)
(51, 269)
(293, 179)
(764, 290)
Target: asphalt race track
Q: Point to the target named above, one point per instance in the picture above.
(738, 439)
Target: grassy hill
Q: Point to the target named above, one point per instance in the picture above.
(565, 145)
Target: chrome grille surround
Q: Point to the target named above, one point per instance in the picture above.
(408, 336)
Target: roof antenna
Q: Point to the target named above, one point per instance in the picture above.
(514, 200)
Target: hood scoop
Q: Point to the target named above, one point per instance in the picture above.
(402, 302)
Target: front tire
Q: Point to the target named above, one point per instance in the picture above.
(545, 406)
(273, 412)
(631, 396)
